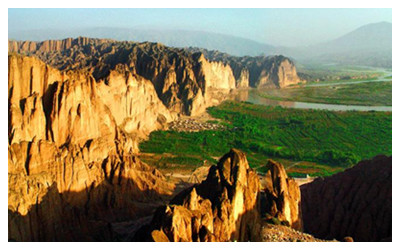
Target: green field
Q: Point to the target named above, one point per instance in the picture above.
(320, 73)
(369, 93)
(315, 142)
(342, 80)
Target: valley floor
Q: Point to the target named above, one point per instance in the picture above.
(367, 93)
(307, 142)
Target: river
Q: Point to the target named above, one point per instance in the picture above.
(381, 78)
(251, 95)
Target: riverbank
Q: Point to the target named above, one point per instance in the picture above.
(375, 95)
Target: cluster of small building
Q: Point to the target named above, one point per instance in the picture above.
(192, 125)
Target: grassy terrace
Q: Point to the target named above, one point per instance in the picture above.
(334, 72)
(369, 93)
(314, 142)
(343, 80)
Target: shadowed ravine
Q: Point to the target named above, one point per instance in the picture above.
(88, 215)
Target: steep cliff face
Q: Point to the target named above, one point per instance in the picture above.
(181, 79)
(133, 102)
(224, 207)
(216, 74)
(356, 203)
(59, 106)
(261, 71)
(274, 72)
(71, 165)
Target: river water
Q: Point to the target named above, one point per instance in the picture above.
(381, 78)
(251, 95)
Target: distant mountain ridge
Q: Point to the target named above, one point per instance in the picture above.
(369, 45)
(233, 45)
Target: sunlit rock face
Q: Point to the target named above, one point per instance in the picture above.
(72, 107)
(181, 79)
(281, 196)
(71, 163)
(224, 207)
(355, 203)
(257, 72)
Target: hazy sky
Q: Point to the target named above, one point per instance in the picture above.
(287, 27)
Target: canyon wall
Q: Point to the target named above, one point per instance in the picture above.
(70, 157)
(257, 72)
(76, 111)
(181, 79)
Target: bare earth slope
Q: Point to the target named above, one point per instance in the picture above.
(356, 203)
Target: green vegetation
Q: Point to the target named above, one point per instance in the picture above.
(369, 93)
(325, 73)
(343, 80)
(325, 142)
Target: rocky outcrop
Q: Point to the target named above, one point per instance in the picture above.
(281, 196)
(59, 106)
(355, 203)
(257, 72)
(224, 207)
(69, 194)
(71, 163)
(181, 79)
(278, 72)
(50, 45)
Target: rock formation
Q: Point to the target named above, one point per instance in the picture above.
(224, 207)
(64, 193)
(355, 203)
(281, 196)
(59, 106)
(76, 111)
(257, 72)
(70, 156)
(181, 79)
(50, 45)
